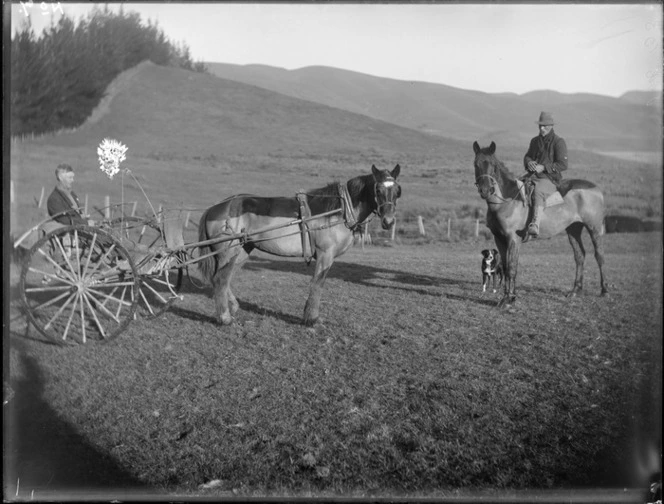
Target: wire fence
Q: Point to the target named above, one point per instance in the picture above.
(418, 229)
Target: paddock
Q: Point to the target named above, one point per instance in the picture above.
(413, 383)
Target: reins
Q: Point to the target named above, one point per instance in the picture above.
(494, 183)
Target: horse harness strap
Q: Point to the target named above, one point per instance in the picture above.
(305, 213)
(350, 219)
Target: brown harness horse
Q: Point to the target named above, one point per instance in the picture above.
(332, 214)
(507, 215)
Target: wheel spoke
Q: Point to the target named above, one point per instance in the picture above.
(106, 310)
(49, 302)
(58, 267)
(92, 247)
(82, 319)
(102, 259)
(50, 275)
(64, 255)
(78, 252)
(162, 282)
(96, 290)
(94, 316)
(147, 304)
(54, 288)
(146, 284)
(117, 314)
(60, 310)
(71, 316)
(110, 295)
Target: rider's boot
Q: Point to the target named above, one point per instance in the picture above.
(533, 228)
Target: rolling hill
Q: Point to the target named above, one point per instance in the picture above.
(188, 114)
(587, 121)
(196, 138)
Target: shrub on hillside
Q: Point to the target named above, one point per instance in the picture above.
(58, 78)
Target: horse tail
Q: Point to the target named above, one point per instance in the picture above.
(207, 265)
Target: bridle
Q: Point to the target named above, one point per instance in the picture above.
(350, 217)
(389, 185)
(492, 187)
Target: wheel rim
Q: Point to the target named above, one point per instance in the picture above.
(77, 286)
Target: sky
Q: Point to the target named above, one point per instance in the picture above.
(604, 49)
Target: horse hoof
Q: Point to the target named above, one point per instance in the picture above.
(310, 322)
(503, 302)
(604, 293)
(572, 293)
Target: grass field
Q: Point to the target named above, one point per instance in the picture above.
(414, 384)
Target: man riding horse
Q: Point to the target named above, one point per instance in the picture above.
(545, 160)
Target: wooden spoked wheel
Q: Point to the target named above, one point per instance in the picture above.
(159, 274)
(158, 287)
(78, 284)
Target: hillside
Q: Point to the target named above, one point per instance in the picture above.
(588, 121)
(195, 139)
(201, 115)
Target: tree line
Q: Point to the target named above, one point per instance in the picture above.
(58, 78)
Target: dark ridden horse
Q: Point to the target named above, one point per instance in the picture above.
(507, 215)
(266, 224)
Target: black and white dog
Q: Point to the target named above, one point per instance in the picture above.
(492, 267)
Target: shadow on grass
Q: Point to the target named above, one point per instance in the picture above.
(244, 306)
(360, 274)
(46, 455)
(259, 310)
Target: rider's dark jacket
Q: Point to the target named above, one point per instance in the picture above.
(59, 201)
(550, 151)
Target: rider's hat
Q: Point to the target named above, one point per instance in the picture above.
(545, 119)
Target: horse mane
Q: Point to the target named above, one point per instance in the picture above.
(326, 198)
(505, 178)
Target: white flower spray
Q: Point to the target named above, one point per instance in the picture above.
(111, 154)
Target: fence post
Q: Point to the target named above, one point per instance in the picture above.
(420, 225)
(449, 222)
(41, 198)
(85, 207)
(11, 192)
(133, 208)
(186, 219)
(107, 207)
(394, 229)
(477, 228)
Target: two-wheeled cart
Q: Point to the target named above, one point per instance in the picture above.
(87, 283)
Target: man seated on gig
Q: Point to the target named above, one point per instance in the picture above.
(64, 199)
(545, 160)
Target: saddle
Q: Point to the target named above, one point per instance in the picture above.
(526, 188)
